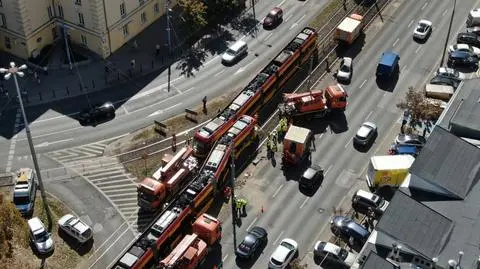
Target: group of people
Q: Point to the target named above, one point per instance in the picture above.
(241, 206)
(272, 144)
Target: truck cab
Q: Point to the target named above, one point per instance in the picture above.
(25, 191)
(388, 65)
(296, 145)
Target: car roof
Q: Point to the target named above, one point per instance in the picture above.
(249, 239)
(425, 22)
(347, 60)
(332, 248)
(257, 230)
(80, 226)
(446, 70)
(460, 54)
(36, 225)
(237, 45)
(365, 129)
(281, 251)
(365, 194)
(275, 10)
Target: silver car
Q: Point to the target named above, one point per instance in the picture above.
(422, 30)
(41, 239)
(344, 73)
(365, 134)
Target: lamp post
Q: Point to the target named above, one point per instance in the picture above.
(13, 70)
(167, 7)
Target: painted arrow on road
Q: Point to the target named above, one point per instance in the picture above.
(161, 111)
(46, 144)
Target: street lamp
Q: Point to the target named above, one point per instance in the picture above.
(13, 70)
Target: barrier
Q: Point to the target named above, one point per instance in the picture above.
(161, 128)
(191, 115)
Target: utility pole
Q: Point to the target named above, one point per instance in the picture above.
(13, 70)
(67, 48)
(232, 183)
(310, 68)
(167, 8)
(253, 9)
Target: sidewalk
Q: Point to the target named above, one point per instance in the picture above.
(94, 74)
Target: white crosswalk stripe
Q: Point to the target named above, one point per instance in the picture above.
(108, 176)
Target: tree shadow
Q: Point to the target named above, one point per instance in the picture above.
(246, 24)
(351, 50)
(338, 122)
(191, 62)
(80, 248)
(217, 43)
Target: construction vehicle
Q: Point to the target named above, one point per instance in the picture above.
(259, 91)
(315, 103)
(174, 222)
(167, 180)
(296, 145)
(349, 29)
(389, 170)
(25, 190)
(193, 248)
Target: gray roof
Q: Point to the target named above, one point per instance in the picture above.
(448, 162)
(373, 261)
(415, 225)
(461, 116)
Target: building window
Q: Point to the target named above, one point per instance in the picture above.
(143, 17)
(84, 40)
(49, 10)
(78, 2)
(60, 11)
(8, 44)
(3, 21)
(122, 9)
(81, 20)
(156, 8)
(125, 30)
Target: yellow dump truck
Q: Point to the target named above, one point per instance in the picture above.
(388, 170)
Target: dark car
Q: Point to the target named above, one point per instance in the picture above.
(253, 241)
(442, 80)
(366, 134)
(410, 139)
(274, 18)
(468, 38)
(462, 58)
(363, 200)
(349, 231)
(97, 114)
(311, 176)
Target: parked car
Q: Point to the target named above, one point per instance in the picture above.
(441, 80)
(97, 114)
(75, 228)
(474, 30)
(333, 255)
(349, 231)
(283, 254)
(362, 200)
(311, 176)
(462, 58)
(253, 241)
(450, 73)
(273, 18)
(40, 238)
(422, 30)
(410, 139)
(366, 134)
(464, 47)
(403, 150)
(235, 52)
(468, 38)
(344, 73)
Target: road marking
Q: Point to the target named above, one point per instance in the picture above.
(328, 169)
(395, 43)
(112, 245)
(125, 110)
(214, 58)
(403, 68)
(278, 190)
(349, 141)
(361, 85)
(281, 3)
(424, 5)
(241, 69)
(304, 202)
(287, 18)
(54, 133)
(175, 88)
(297, 22)
(410, 24)
(224, 258)
(445, 12)
(46, 144)
(219, 73)
(150, 91)
(369, 114)
(280, 235)
(385, 94)
(251, 224)
(163, 110)
(418, 49)
(268, 36)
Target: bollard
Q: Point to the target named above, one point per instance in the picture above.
(40, 96)
(53, 93)
(67, 90)
(93, 83)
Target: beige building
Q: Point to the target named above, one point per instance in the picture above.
(102, 26)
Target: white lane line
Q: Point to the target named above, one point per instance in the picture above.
(424, 5)
(278, 190)
(175, 88)
(369, 114)
(214, 58)
(363, 83)
(418, 49)
(163, 110)
(410, 24)
(251, 224)
(46, 143)
(281, 3)
(395, 43)
(100, 256)
(328, 169)
(320, 137)
(150, 91)
(224, 258)
(445, 12)
(54, 133)
(287, 18)
(268, 36)
(219, 73)
(53, 118)
(304, 202)
(403, 68)
(125, 110)
(349, 141)
(189, 89)
(241, 69)
(278, 238)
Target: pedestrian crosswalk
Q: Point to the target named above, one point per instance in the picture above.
(108, 176)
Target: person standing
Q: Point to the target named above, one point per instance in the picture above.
(244, 206)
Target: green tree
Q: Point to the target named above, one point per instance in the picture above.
(419, 107)
(194, 13)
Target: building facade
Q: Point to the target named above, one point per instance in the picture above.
(102, 26)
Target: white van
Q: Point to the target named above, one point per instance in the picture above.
(234, 52)
(473, 18)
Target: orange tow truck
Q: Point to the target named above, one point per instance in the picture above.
(315, 103)
(167, 180)
(296, 145)
(193, 248)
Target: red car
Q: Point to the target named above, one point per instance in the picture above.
(274, 18)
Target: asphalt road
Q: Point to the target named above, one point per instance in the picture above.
(292, 214)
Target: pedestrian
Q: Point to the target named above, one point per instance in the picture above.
(274, 147)
(204, 101)
(157, 49)
(244, 206)
(268, 150)
(135, 44)
(187, 138)
(174, 142)
(274, 136)
(238, 205)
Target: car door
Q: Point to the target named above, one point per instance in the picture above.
(289, 257)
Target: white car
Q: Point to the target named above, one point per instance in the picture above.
(365, 134)
(333, 254)
(450, 73)
(344, 73)
(41, 239)
(464, 47)
(422, 30)
(283, 254)
(75, 228)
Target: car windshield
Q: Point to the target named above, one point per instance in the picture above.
(287, 245)
(41, 237)
(276, 262)
(230, 51)
(422, 27)
(343, 254)
(21, 200)
(244, 247)
(344, 68)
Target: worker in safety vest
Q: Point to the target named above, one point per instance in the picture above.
(238, 206)
(269, 149)
(243, 205)
(275, 136)
(274, 146)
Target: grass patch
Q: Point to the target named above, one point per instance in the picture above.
(325, 14)
(145, 135)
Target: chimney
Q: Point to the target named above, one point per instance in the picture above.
(452, 264)
(460, 254)
(434, 262)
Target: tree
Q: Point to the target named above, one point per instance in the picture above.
(194, 13)
(420, 108)
(13, 230)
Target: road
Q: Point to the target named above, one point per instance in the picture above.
(288, 213)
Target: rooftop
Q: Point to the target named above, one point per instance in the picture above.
(374, 261)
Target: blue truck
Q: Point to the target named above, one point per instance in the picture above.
(388, 65)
